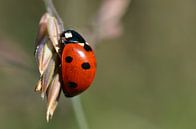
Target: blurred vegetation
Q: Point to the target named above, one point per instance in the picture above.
(145, 80)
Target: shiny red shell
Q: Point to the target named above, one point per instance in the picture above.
(78, 68)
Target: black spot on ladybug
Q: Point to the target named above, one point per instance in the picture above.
(72, 85)
(85, 65)
(68, 59)
(87, 48)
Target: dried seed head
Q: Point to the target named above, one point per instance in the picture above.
(42, 31)
(43, 54)
(54, 32)
(48, 74)
(38, 87)
(47, 56)
(46, 41)
(53, 94)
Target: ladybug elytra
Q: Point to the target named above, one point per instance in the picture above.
(78, 63)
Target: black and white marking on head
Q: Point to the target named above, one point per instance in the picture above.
(68, 59)
(71, 36)
(68, 35)
(72, 85)
(85, 65)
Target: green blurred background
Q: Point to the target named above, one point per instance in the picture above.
(146, 79)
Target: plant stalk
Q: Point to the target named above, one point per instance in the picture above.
(79, 112)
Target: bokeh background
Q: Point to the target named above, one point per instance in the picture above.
(146, 78)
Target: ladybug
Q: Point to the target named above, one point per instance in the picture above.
(78, 63)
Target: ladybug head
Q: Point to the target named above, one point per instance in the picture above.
(71, 36)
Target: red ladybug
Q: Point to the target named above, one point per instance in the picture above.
(78, 63)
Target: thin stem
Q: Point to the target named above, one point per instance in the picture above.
(80, 115)
(52, 11)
